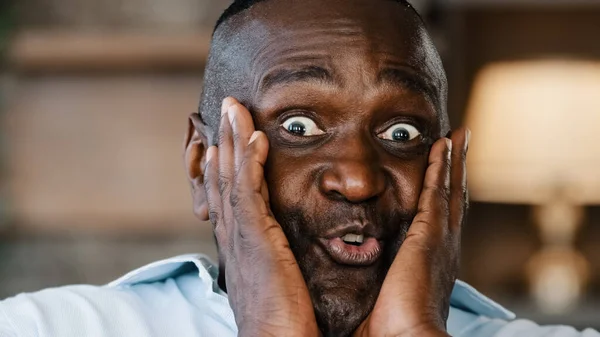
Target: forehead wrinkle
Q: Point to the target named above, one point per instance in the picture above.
(272, 58)
(288, 74)
(271, 55)
(317, 36)
(317, 44)
(300, 21)
(411, 64)
(404, 75)
(321, 27)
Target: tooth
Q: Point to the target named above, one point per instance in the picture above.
(353, 238)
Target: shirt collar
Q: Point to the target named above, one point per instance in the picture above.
(464, 296)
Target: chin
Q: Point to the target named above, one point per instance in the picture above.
(340, 311)
(342, 296)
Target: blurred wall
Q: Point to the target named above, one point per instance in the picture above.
(97, 96)
(100, 152)
(97, 99)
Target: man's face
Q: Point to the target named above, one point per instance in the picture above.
(349, 94)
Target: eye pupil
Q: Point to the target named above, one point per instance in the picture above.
(401, 134)
(297, 128)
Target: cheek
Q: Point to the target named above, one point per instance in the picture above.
(289, 180)
(407, 179)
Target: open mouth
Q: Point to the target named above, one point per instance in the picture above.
(356, 243)
(353, 249)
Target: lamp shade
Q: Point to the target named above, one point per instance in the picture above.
(536, 132)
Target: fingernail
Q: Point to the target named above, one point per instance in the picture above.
(253, 137)
(449, 144)
(209, 154)
(231, 114)
(468, 137)
(225, 105)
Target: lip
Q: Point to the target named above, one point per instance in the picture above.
(357, 227)
(364, 255)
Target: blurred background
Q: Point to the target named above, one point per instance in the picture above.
(94, 97)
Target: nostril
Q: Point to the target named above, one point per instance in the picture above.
(335, 195)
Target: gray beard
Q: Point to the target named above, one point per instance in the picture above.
(337, 316)
(339, 307)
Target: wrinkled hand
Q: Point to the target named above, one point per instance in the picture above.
(265, 287)
(414, 298)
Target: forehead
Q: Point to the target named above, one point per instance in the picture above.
(373, 31)
(355, 40)
(384, 23)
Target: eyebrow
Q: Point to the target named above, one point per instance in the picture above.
(408, 79)
(290, 75)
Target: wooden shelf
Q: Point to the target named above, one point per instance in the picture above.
(60, 51)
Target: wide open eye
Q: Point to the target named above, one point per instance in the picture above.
(400, 132)
(301, 126)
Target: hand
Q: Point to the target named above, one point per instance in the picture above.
(415, 296)
(265, 287)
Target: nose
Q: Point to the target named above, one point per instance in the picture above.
(353, 178)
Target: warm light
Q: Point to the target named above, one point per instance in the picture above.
(536, 140)
(557, 275)
(536, 129)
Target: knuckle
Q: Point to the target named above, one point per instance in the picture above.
(443, 194)
(235, 198)
(214, 216)
(238, 197)
(244, 163)
(230, 246)
(447, 166)
(224, 183)
(460, 155)
(222, 135)
(208, 187)
(237, 139)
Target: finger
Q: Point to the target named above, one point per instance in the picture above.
(242, 126)
(433, 210)
(265, 194)
(458, 180)
(213, 196)
(226, 169)
(250, 183)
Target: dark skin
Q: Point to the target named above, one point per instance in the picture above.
(273, 194)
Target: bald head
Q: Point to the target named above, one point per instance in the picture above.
(240, 5)
(251, 31)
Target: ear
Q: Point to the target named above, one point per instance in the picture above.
(195, 146)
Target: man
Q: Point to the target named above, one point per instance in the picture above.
(323, 157)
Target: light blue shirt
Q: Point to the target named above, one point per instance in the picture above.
(180, 297)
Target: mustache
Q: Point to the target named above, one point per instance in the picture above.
(296, 222)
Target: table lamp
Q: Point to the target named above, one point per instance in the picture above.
(536, 140)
